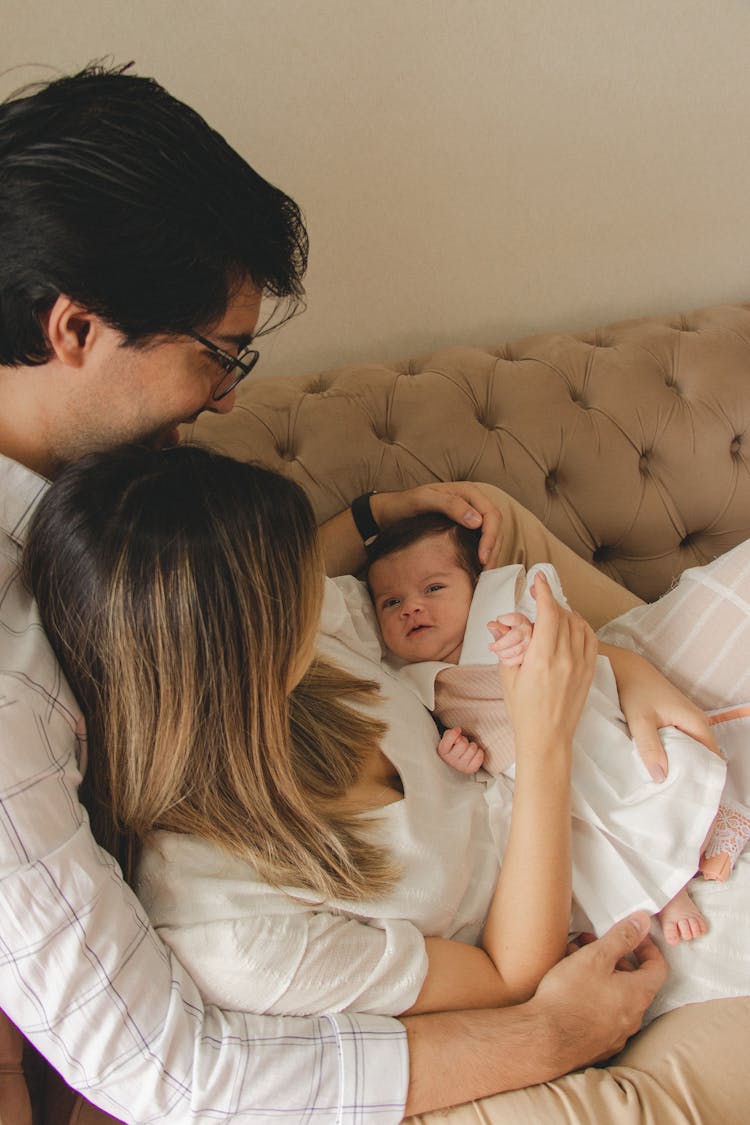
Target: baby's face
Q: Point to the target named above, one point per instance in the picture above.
(422, 598)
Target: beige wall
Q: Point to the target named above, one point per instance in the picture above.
(470, 169)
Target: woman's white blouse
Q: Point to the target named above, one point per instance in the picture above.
(285, 950)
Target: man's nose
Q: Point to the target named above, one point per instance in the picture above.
(224, 405)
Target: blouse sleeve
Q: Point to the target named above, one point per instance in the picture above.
(258, 948)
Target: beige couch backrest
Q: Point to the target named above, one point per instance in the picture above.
(631, 443)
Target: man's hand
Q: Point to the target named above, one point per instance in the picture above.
(583, 1011)
(650, 701)
(461, 501)
(594, 1005)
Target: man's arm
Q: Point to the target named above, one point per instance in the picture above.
(462, 501)
(84, 976)
(583, 1012)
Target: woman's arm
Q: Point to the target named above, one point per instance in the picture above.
(527, 925)
(650, 701)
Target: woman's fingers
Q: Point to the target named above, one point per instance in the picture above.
(546, 694)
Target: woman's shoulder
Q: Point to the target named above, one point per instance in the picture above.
(183, 879)
(348, 617)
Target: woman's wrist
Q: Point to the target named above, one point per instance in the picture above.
(546, 750)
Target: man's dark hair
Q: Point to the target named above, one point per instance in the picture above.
(415, 528)
(123, 198)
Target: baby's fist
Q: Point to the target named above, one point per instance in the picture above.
(512, 633)
(458, 751)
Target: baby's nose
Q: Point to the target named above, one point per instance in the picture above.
(410, 605)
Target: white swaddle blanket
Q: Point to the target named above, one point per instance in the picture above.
(635, 844)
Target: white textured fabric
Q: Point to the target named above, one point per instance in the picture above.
(248, 943)
(82, 973)
(699, 635)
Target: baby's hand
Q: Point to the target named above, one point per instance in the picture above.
(512, 633)
(456, 750)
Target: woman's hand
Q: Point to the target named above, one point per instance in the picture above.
(650, 701)
(546, 694)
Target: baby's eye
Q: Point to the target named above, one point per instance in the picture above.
(389, 603)
(434, 587)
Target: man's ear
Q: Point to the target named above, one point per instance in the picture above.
(70, 331)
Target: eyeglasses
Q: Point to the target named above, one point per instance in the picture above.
(235, 367)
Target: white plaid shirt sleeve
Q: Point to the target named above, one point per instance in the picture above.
(82, 972)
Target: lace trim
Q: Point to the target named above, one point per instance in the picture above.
(729, 835)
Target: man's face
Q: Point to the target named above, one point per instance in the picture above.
(143, 394)
(422, 598)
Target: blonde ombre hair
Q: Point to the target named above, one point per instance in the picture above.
(178, 589)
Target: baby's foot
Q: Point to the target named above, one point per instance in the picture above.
(681, 920)
(460, 752)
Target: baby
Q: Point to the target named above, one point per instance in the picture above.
(428, 588)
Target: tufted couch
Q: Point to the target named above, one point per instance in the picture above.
(632, 444)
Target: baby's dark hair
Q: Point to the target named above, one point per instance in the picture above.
(412, 530)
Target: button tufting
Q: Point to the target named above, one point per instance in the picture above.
(602, 554)
(735, 446)
(287, 455)
(688, 540)
(550, 482)
(643, 461)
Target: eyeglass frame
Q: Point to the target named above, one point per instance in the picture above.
(241, 361)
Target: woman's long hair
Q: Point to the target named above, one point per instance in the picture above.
(178, 589)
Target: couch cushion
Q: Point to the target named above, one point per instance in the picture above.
(631, 443)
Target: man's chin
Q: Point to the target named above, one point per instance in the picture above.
(164, 439)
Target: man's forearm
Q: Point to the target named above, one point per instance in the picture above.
(583, 1012)
(462, 501)
(456, 1057)
(341, 545)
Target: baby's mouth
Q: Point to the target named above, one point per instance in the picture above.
(417, 629)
